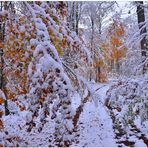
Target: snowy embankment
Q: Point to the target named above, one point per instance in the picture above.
(95, 125)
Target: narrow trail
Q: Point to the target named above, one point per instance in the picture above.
(94, 126)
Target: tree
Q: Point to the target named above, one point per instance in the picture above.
(74, 15)
(3, 17)
(92, 18)
(114, 49)
(142, 28)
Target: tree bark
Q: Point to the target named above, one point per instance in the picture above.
(77, 18)
(73, 16)
(142, 28)
(92, 34)
(2, 36)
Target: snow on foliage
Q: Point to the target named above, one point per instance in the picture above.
(128, 99)
(49, 84)
(40, 42)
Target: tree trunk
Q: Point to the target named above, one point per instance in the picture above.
(92, 33)
(98, 74)
(77, 18)
(112, 65)
(142, 27)
(73, 16)
(2, 85)
(117, 66)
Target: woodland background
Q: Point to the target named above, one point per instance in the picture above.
(53, 54)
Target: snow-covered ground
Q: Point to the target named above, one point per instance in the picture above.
(15, 126)
(95, 125)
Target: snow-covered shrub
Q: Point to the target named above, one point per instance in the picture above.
(37, 71)
(128, 99)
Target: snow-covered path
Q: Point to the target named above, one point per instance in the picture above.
(95, 125)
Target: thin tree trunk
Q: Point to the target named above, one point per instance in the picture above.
(142, 27)
(73, 15)
(2, 85)
(112, 65)
(117, 66)
(92, 39)
(92, 34)
(77, 18)
(98, 74)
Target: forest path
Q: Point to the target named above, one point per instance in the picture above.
(97, 124)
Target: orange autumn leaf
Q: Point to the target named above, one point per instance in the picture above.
(115, 41)
(1, 100)
(21, 20)
(1, 114)
(22, 34)
(120, 31)
(1, 45)
(1, 125)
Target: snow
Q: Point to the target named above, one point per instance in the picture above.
(54, 11)
(2, 95)
(143, 127)
(60, 36)
(33, 42)
(140, 144)
(69, 125)
(15, 122)
(22, 29)
(4, 13)
(76, 101)
(95, 125)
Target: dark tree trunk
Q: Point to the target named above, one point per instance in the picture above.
(142, 27)
(117, 66)
(77, 18)
(92, 34)
(112, 65)
(2, 35)
(73, 16)
(92, 39)
(2, 85)
(98, 74)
